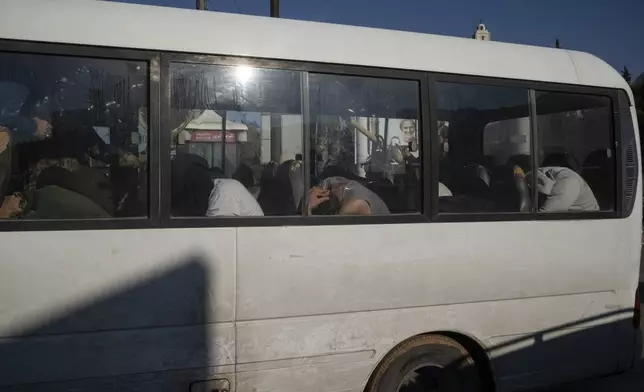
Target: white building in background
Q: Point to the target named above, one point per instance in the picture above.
(482, 34)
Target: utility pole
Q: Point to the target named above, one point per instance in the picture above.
(202, 4)
(275, 8)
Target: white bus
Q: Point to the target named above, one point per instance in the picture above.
(123, 129)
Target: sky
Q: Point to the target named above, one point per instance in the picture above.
(610, 29)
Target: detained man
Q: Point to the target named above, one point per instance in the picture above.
(341, 196)
(565, 190)
(230, 198)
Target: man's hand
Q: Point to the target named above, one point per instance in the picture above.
(127, 159)
(10, 207)
(317, 196)
(4, 139)
(43, 128)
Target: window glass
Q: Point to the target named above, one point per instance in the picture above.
(73, 137)
(484, 147)
(576, 153)
(236, 141)
(365, 145)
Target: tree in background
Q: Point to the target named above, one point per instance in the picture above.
(557, 44)
(627, 75)
(638, 93)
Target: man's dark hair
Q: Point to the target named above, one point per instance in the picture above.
(244, 174)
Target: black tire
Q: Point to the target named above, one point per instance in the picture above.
(426, 363)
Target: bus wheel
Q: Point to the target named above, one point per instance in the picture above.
(426, 363)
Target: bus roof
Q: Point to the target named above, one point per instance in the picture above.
(109, 24)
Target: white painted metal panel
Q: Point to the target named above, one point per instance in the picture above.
(359, 268)
(79, 304)
(143, 27)
(59, 274)
(373, 286)
(327, 377)
(524, 336)
(114, 353)
(590, 69)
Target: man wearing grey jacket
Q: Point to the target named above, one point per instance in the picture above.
(565, 191)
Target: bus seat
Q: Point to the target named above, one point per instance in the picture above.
(191, 185)
(277, 195)
(509, 189)
(521, 160)
(296, 177)
(523, 191)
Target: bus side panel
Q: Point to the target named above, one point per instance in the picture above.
(501, 268)
(105, 304)
(272, 354)
(627, 276)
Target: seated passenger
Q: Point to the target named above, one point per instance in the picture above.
(53, 202)
(565, 191)
(10, 207)
(281, 188)
(191, 185)
(338, 195)
(24, 129)
(15, 130)
(230, 198)
(91, 183)
(244, 174)
(5, 161)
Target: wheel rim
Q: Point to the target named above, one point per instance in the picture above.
(428, 377)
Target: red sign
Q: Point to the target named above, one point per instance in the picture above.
(212, 136)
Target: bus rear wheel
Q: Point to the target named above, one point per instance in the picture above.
(426, 363)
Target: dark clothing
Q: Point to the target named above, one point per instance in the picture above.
(5, 172)
(466, 204)
(88, 182)
(22, 129)
(53, 202)
(278, 192)
(191, 185)
(244, 174)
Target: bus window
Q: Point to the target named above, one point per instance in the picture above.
(69, 145)
(365, 144)
(484, 148)
(236, 141)
(576, 153)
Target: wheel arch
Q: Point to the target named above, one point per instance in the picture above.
(473, 346)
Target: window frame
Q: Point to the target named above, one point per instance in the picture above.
(306, 68)
(159, 141)
(151, 58)
(532, 87)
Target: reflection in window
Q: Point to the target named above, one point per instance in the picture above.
(484, 148)
(73, 137)
(236, 141)
(576, 154)
(365, 143)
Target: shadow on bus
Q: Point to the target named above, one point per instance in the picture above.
(587, 348)
(157, 334)
(141, 334)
